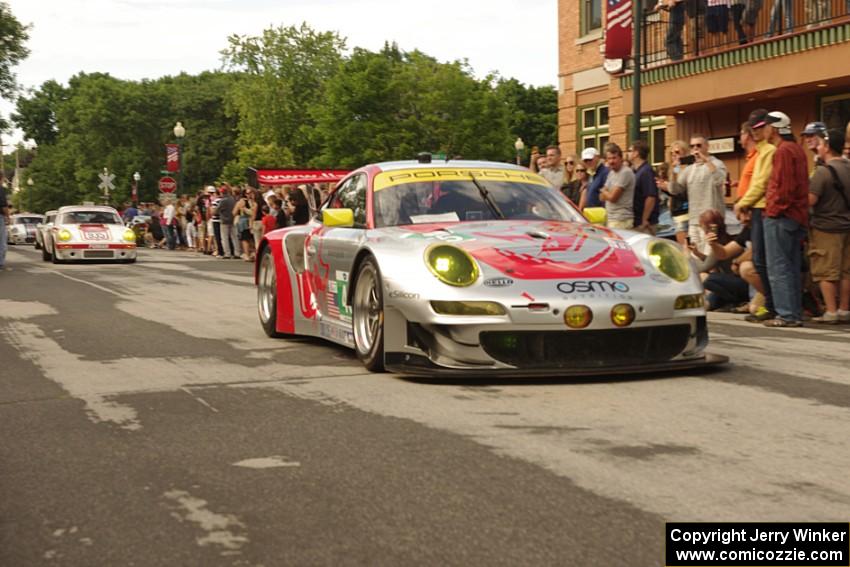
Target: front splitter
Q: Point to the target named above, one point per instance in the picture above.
(416, 365)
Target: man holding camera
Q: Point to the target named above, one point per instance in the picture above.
(703, 180)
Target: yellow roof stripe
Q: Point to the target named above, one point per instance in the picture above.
(401, 176)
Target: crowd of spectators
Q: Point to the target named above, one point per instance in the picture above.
(749, 19)
(791, 258)
(225, 222)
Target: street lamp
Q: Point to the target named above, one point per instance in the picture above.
(135, 196)
(30, 184)
(519, 145)
(179, 133)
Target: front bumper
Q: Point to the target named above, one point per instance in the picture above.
(523, 348)
(74, 252)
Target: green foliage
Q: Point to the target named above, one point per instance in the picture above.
(391, 105)
(13, 35)
(280, 74)
(534, 112)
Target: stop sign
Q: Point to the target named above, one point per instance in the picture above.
(167, 185)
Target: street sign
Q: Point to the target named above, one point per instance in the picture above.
(167, 185)
(106, 179)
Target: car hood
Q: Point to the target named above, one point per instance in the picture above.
(536, 250)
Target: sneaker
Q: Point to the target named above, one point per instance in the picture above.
(844, 316)
(779, 322)
(760, 316)
(826, 319)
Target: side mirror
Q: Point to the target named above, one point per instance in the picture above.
(338, 217)
(596, 215)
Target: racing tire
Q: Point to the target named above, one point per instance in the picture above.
(267, 294)
(367, 315)
(53, 256)
(45, 255)
(36, 245)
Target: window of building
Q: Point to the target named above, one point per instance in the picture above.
(591, 16)
(653, 131)
(835, 111)
(593, 127)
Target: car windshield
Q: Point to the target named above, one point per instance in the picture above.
(27, 220)
(90, 217)
(483, 198)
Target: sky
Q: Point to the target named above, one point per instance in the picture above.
(136, 39)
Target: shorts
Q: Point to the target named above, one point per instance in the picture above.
(622, 224)
(829, 255)
(246, 236)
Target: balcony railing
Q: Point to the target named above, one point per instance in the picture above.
(693, 30)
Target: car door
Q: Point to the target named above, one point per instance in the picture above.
(336, 247)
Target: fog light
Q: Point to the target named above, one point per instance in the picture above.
(692, 301)
(64, 235)
(578, 316)
(469, 308)
(622, 314)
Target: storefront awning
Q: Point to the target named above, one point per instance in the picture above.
(257, 177)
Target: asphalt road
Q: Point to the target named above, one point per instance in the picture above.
(145, 419)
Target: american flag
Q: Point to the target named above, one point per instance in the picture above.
(618, 29)
(172, 157)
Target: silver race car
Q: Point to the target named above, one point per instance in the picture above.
(89, 233)
(479, 268)
(22, 228)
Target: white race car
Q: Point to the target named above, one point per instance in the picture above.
(89, 233)
(22, 229)
(42, 229)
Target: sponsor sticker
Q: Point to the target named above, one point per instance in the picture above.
(498, 282)
(399, 294)
(593, 286)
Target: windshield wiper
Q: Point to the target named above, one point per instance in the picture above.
(485, 194)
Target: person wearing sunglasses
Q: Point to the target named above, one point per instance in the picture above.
(575, 188)
(703, 179)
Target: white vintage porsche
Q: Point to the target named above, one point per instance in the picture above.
(89, 233)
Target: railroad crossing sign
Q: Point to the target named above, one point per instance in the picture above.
(106, 179)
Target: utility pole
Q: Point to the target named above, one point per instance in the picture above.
(638, 30)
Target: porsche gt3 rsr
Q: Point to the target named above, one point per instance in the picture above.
(89, 233)
(479, 268)
(22, 228)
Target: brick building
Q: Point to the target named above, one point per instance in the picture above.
(801, 69)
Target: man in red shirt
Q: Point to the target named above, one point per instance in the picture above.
(786, 219)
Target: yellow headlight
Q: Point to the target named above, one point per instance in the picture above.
(692, 301)
(578, 316)
(622, 314)
(669, 260)
(64, 235)
(451, 265)
(129, 235)
(468, 308)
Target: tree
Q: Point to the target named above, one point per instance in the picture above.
(279, 75)
(13, 35)
(36, 115)
(391, 105)
(533, 112)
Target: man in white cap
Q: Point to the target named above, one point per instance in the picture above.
(786, 218)
(590, 198)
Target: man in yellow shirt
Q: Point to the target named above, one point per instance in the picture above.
(754, 201)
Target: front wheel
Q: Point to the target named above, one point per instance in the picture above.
(368, 316)
(267, 294)
(45, 255)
